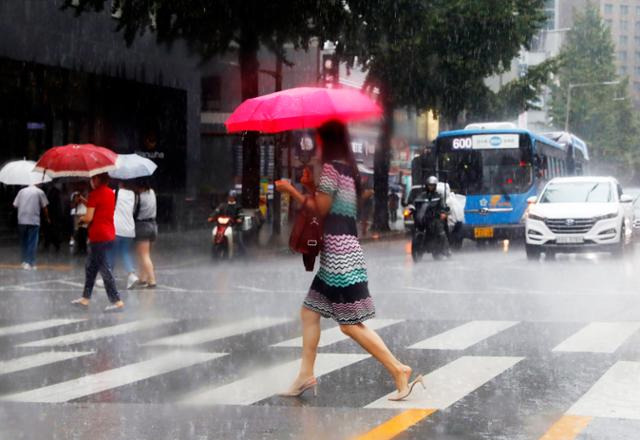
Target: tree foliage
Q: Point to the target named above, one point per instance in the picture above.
(434, 55)
(600, 114)
(214, 27)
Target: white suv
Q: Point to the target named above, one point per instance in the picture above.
(579, 214)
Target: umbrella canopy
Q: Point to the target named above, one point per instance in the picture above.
(85, 160)
(131, 166)
(300, 108)
(20, 172)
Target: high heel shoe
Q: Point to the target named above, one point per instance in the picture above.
(309, 383)
(401, 396)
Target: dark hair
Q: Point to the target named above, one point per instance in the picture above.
(103, 178)
(336, 145)
(143, 184)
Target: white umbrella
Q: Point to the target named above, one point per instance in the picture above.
(20, 172)
(130, 166)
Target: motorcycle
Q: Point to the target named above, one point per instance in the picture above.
(222, 240)
(428, 234)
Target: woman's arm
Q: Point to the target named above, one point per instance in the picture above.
(321, 203)
(88, 217)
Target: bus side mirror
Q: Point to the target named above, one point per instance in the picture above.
(531, 200)
(625, 198)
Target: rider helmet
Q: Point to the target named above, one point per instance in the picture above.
(432, 183)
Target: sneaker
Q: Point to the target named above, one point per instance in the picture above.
(100, 282)
(139, 285)
(114, 308)
(26, 266)
(132, 279)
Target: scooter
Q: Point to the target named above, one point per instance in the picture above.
(428, 233)
(222, 246)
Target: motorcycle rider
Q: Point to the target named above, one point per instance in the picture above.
(231, 208)
(432, 198)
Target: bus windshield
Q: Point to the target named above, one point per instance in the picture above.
(486, 171)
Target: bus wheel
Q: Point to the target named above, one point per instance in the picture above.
(533, 252)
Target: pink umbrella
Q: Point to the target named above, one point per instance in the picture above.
(300, 108)
(84, 160)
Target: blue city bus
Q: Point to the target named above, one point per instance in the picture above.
(497, 167)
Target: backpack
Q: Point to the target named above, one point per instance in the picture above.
(306, 236)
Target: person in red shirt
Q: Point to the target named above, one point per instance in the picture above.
(102, 233)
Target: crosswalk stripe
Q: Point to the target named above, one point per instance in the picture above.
(38, 325)
(464, 336)
(616, 394)
(38, 360)
(214, 333)
(90, 335)
(268, 381)
(333, 335)
(394, 426)
(599, 337)
(452, 382)
(117, 377)
(567, 428)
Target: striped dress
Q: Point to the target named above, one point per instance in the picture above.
(340, 288)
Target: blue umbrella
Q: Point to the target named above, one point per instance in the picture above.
(131, 166)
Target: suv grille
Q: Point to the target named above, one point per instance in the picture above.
(570, 226)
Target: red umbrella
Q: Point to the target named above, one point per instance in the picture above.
(300, 108)
(85, 160)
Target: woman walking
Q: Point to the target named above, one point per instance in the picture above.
(340, 288)
(99, 217)
(146, 232)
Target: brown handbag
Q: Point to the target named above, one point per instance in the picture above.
(306, 235)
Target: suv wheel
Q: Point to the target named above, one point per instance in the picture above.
(533, 252)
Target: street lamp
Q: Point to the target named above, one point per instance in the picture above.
(573, 86)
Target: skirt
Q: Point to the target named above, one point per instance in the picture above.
(340, 288)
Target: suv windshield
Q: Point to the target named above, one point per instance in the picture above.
(577, 192)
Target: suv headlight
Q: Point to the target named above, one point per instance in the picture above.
(536, 217)
(606, 216)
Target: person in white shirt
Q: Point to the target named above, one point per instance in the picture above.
(126, 201)
(29, 201)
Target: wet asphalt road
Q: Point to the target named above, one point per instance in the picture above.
(510, 350)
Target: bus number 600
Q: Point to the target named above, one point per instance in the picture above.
(462, 144)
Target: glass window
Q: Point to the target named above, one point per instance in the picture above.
(608, 8)
(577, 192)
(623, 40)
(622, 55)
(608, 22)
(637, 10)
(637, 26)
(622, 70)
(624, 25)
(636, 85)
(487, 171)
(624, 9)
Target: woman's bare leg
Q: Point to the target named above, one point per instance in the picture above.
(310, 339)
(151, 273)
(142, 273)
(373, 343)
(147, 273)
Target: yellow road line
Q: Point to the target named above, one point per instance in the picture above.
(396, 425)
(55, 267)
(567, 428)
